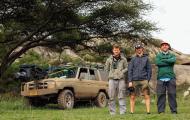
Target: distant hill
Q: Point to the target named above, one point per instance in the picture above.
(151, 46)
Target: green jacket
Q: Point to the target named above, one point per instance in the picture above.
(120, 71)
(165, 63)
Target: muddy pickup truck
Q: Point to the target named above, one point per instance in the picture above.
(67, 86)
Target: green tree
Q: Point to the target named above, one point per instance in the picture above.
(30, 23)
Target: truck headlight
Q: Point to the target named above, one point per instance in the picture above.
(51, 84)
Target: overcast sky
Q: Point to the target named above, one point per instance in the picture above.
(173, 16)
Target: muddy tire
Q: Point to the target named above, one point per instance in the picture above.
(101, 100)
(66, 99)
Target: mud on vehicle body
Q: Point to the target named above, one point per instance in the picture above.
(69, 86)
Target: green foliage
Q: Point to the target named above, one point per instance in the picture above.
(12, 101)
(31, 57)
(88, 58)
(155, 42)
(100, 59)
(66, 58)
(77, 61)
(153, 60)
(104, 48)
(2, 46)
(68, 35)
(30, 23)
(128, 51)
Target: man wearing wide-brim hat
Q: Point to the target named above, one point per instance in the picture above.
(166, 79)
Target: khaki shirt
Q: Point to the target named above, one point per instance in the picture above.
(121, 70)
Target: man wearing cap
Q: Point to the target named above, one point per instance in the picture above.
(116, 66)
(166, 82)
(139, 74)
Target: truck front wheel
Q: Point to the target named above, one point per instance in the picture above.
(66, 99)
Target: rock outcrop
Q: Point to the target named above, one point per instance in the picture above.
(182, 75)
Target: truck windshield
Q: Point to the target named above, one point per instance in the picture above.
(63, 73)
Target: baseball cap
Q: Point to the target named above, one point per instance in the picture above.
(139, 46)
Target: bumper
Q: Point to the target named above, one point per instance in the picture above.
(38, 92)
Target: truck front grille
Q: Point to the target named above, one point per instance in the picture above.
(42, 85)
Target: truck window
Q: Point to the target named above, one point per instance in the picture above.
(96, 74)
(103, 75)
(92, 75)
(83, 74)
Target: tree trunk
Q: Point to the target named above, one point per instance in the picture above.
(3, 68)
(7, 63)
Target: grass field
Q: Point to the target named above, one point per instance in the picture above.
(14, 109)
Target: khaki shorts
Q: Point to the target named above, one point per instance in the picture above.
(141, 87)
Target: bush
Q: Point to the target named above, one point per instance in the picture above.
(128, 51)
(66, 58)
(155, 42)
(31, 57)
(88, 58)
(10, 101)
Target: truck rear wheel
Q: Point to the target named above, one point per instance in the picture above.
(101, 100)
(66, 99)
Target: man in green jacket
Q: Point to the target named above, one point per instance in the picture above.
(166, 79)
